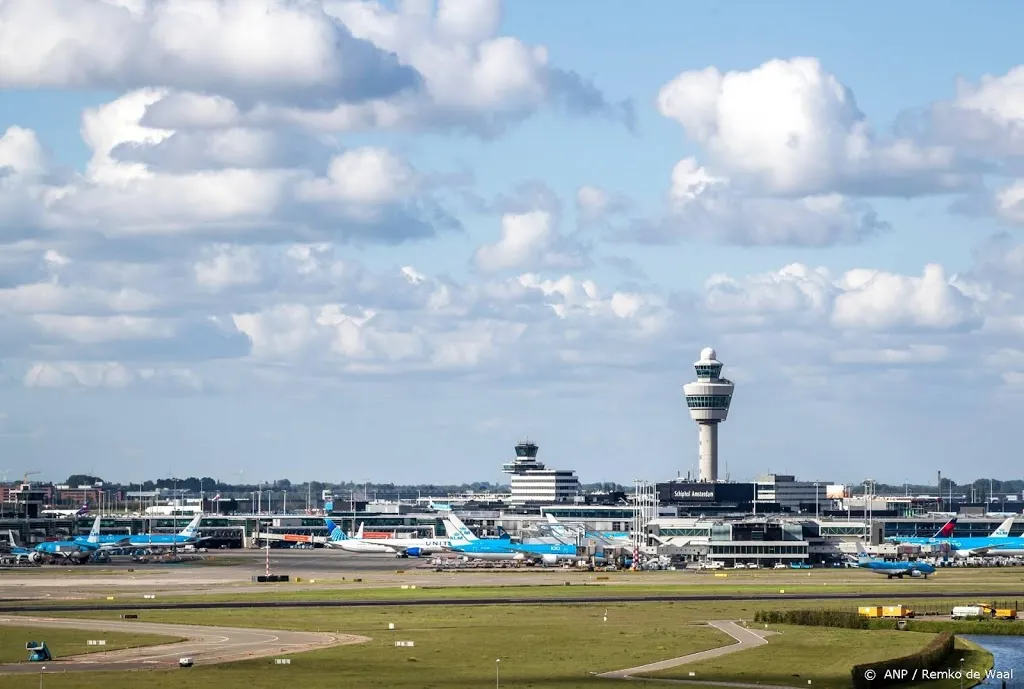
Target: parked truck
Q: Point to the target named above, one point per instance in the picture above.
(962, 612)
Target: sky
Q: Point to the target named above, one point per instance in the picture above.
(344, 240)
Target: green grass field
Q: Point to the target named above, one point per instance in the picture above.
(541, 647)
(824, 656)
(68, 642)
(798, 654)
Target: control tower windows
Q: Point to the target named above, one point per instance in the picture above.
(708, 370)
(708, 401)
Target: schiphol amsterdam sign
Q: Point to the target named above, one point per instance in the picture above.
(694, 494)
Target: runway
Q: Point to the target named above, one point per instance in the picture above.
(205, 645)
(496, 600)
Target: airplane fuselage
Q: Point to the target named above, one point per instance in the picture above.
(898, 569)
(966, 546)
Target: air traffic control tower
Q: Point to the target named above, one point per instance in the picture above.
(708, 399)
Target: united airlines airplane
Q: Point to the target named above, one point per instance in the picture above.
(399, 547)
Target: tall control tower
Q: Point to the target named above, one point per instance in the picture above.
(708, 400)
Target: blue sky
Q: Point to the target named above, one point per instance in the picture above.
(287, 260)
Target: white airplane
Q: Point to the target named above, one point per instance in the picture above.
(399, 547)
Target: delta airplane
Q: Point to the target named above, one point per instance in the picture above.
(998, 543)
(399, 547)
(942, 534)
(187, 536)
(80, 512)
(897, 569)
(502, 548)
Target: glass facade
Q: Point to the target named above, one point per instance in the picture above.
(708, 370)
(732, 550)
(697, 532)
(708, 401)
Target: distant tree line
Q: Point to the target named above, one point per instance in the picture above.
(981, 487)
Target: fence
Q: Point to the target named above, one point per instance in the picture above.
(945, 607)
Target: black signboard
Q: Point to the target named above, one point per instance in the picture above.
(689, 492)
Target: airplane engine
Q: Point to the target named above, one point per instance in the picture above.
(36, 557)
(414, 552)
(549, 559)
(916, 573)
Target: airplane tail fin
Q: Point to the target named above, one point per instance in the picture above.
(94, 532)
(947, 529)
(12, 538)
(551, 519)
(359, 533)
(862, 554)
(192, 528)
(504, 535)
(334, 532)
(83, 510)
(452, 533)
(461, 530)
(1004, 529)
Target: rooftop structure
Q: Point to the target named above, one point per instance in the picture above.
(532, 482)
(708, 399)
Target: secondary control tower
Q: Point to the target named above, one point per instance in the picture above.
(708, 399)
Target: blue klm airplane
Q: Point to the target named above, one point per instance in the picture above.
(77, 550)
(465, 542)
(999, 542)
(898, 569)
(187, 536)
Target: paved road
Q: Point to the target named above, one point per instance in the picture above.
(206, 645)
(745, 638)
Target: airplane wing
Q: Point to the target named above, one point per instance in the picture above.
(988, 549)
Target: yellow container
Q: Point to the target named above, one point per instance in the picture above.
(870, 611)
(896, 611)
(1006, 614)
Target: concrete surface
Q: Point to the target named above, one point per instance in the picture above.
(744, 639)
(206, 645)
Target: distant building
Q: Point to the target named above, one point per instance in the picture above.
(532, 482)
(793, 495)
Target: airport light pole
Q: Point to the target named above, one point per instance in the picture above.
(497, 673)
(815, 499)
